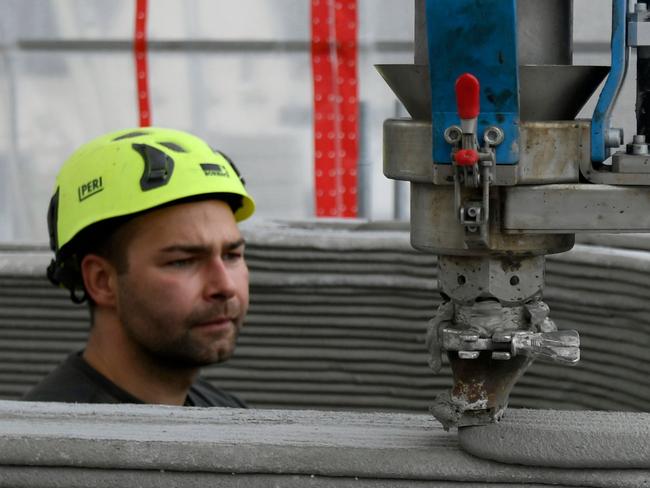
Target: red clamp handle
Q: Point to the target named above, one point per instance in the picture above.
(468, 96)
(466, 157)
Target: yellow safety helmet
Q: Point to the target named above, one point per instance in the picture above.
(130, 171)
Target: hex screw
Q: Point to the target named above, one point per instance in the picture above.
(453, 134)
(494, 136)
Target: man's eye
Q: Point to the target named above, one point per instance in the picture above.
(181, 263)
(232, 256)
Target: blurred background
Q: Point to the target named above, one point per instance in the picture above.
(238, 74)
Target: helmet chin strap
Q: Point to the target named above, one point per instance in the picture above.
(66, 277)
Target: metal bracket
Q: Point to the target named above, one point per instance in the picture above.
(562, 209)
(465, 36)
(602, 137)
(638, 29)
(638, 34)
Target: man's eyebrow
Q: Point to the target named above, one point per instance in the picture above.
(201, 249)
(187, 248)
(229, 246)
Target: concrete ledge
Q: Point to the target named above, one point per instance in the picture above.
(20, 477)
(69, 445)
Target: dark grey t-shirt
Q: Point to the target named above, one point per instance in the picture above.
(75, 381)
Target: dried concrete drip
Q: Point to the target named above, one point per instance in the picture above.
(53, 445)
(564, 439)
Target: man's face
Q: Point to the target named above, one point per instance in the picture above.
(184, 296)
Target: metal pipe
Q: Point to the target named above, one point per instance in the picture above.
(364, 165)
(643, 91)
(421, 50)
(401, 189)
(545, 31)
(600, 123)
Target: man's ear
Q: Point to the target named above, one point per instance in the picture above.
(99, 277)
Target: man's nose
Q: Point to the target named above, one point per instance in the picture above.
(219, 282)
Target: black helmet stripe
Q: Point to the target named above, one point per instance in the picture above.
(241, 178)
(52, 221)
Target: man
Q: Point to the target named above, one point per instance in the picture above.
(143, 224)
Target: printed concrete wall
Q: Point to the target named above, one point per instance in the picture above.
(57, 445)
(338, 317)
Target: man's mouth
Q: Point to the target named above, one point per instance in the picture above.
(217, 324)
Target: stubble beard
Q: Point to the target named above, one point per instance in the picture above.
(153, 331)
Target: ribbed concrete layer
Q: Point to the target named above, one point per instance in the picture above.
(338, 320)
(625, 241)
(564, 439)
(21, 477)
(375, 448)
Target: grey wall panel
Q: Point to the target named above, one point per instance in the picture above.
(338, 318)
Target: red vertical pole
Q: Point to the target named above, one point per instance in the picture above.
(334, 30)
(140, 54)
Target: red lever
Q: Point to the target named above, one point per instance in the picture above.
(468, 96)
(466, 157)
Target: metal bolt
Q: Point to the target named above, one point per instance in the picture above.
(468, 354)
(501, 336)
(453, 134)
(614, 137)
(638, 146)
(493, 136)
(501, 356)
(469, 337)
(640, 12)
(472, 211)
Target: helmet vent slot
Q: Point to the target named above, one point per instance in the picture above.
(129, 135)
(173, 146)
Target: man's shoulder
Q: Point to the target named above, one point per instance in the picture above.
(68, 382)
(205, 394)
(75, 381)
